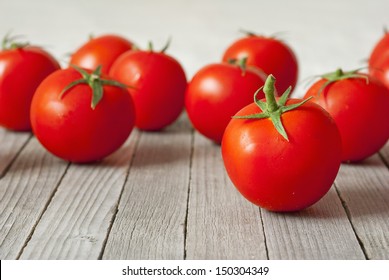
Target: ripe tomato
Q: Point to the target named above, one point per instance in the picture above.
(380, 50)
(217, 92)
(102, 50)
(22, 68)
(282, 155)
(270, 55)
(380, 70)
(158, 82)
(69, 126)
(359, 105)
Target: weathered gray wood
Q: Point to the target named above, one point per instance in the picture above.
(10, 145)
(221, 223)
(150, 222)
(321, 231)
(78, 219)
(384, 153)
(364, 188)
(25, 191)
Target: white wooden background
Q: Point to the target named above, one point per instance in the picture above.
(166, 195)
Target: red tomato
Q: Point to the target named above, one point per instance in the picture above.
(70, 127)
(381, 69)
(359, 105)
(270, 55)
(380, 50)
(159, 84)
(102, 50)
(216, 93)
(275, 172)
(22, 69)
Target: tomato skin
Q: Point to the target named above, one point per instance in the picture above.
(276, 174)
(69, 128)
(381, 69)
(159, 84)
(21, 71)
(216, 93)
(102, 50)
(380, 50)
(270, 55)
(360, 110)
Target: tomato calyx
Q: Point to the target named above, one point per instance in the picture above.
(241, 63)
(94, 81)
(163, 50)
(10, 43)
(339, 75)
(271, 107)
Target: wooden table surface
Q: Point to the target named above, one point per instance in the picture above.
(166, 195)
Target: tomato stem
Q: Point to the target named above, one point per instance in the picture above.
(95, 82)
(242, 63)
(339, 75)
(272, 108)
(268, 89)
(9, 43)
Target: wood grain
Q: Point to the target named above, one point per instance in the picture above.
(150, 223)
(321, 231)
(364, 188)
(221, 223)
(11, 144)
(78, 219)
(25, 191)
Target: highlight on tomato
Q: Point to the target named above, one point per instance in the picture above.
(269, 54)
(101, 51)
(359, 105)
(282, 154)
(158, 86)
(81, 116)
(22, 68)
(217, 91)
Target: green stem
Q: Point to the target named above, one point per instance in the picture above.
(339, 75)
(271, 108)
(268, 89)
(95, 82)
(150, 46)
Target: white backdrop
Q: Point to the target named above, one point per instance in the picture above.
(324, 34)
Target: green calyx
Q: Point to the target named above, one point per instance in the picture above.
(10, 43)
(95, 82)
(339, 75)
(272, 108)
(163, 50)
(241, 63)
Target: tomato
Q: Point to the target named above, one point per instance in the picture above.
(158, 84)
(380, 50)
(22, 68)
(282, 155)
(217, 92)
(79, 124)
(359, 105)
(102, 50)
(381, 69)
(269, 54)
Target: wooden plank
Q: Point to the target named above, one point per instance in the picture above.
(25, 191)
(11, 144)
(321, 231)
(221, 223)
(384, 153)
(150, 222)
(364, 189)
(79, 217)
